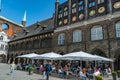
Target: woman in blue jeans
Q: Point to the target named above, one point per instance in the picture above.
(61, 72)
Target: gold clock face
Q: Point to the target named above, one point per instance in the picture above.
(65, 21)
(60, 22)
(74, 18)
(92, 12)
(117, 5)
(101, 9)
(81, 16)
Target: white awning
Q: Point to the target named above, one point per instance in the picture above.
(50, 55)
(31, 55)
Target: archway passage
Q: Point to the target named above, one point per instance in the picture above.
(117, 60)
(117, 63)
(101, 64)
(16, 59)
(2, 58)
(98, 52)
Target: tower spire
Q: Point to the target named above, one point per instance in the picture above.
(57, 0)
(24, 19)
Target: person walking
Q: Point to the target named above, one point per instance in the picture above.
(29, 71)
(12, 67)
(48, 69)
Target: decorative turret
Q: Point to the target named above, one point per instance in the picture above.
(57, 0)
(24, 19)
(56, 12)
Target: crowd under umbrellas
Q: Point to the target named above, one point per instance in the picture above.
(81, 56)
(70, 56)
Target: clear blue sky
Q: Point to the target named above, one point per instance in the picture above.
(37, 10)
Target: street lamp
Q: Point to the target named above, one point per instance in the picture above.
(85, 41)
(108, 36)
(110, 16)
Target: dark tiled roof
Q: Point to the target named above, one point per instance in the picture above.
(35, 29)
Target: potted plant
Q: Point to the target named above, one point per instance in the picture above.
(118, 73)
(99, 78)
(31, 69)
(114, 75)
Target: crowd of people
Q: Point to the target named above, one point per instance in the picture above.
(65, 70)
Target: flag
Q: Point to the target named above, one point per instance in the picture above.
(0, 5)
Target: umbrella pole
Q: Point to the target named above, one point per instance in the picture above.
(95, 63)
(81, 63)
(32, 61)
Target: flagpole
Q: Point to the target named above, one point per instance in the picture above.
(0, 6)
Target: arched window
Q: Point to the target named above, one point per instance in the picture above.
(4, 26)
(77, 36)
(96, 33)
(117, 26)
(65, 11)
(91, 4)
(1, 38)
(74, 8)
(60, 13)
(61, 39)
(81, 5)
(100, 1)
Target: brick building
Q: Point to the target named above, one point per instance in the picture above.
(78, 25)
(88, 25)
(8, 28)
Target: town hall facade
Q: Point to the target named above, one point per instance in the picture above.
(78, 25)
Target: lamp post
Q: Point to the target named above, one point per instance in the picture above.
(108, 38)
(85, 40)
(68, 35)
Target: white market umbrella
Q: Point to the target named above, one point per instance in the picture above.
(50, 55)
(31, 55)
(103, 58)
(3, 53)
(80, 56)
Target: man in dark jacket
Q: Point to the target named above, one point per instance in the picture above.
(48, 69)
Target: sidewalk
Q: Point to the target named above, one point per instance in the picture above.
(22, 75)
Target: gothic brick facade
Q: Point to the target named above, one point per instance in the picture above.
(12, 27)
(84, 15)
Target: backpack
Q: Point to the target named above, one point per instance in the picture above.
(48, 68)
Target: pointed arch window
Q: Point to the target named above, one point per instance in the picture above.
(65, 11)
(100, 1)
(60, 13)
(96, 33)
(81, 2)
(81, 8)
(117, 26)
(61, 39)
(81, 5)
(77, 36)
(91, 4)
(74, 8)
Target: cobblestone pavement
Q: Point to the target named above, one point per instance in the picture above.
(19, 75)
(22, 75)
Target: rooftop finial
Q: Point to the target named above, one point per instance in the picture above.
(57, 0)
(24, 17)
